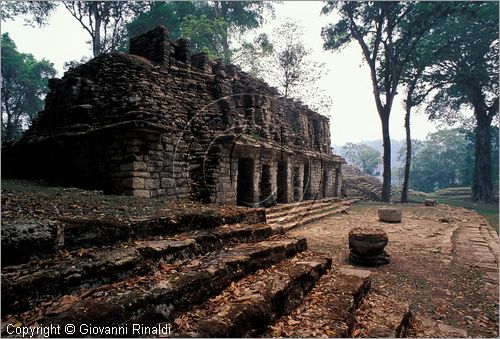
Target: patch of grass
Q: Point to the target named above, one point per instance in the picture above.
(489, 211)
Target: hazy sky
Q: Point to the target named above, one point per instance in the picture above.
(354, 113)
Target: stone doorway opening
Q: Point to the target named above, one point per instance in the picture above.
(324, 182)
(282, 181)
(297, 194)
(244, 192)
(306, 183)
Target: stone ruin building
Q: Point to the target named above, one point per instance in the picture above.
(161, 121)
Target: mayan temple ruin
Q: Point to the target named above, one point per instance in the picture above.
(161, 121)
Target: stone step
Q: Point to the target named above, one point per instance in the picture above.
(24, 240)
(310, 218)
(295, 205)
(329, 309)
(315, 209)
(382, 316)
(286, 215)
(169, 290)
(26, 284)
(247, 307)
(81, 232)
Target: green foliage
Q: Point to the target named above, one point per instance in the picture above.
(465, 74)
(105, 21)
(210, 25)
(36, 13)
(24, 84)
(205, 34)
(365, 157)
(168, 14)
(443, 161)
(389, 33)
(465, 69)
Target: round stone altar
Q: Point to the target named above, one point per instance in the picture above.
(389, 214)
(367, 246)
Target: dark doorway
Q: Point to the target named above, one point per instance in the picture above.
(245, 182)
(306, 183)
(324, 182)
(282, 182)
(337, 177)
(297, 194)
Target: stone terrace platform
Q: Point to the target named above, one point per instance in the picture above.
(227, 271)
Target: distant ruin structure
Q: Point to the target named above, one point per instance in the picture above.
(161, 121)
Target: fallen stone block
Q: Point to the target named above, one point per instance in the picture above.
(389, 214)
(430, 202)
(23, 240)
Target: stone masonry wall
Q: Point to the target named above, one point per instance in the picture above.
(161, 121)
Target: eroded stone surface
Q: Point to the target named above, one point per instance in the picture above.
(247, 307)
(328, 311)
(389, 214)
(167, 293)
(24, 239)
(367, 245)
(162, 121)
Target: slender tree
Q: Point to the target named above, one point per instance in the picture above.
(290, 67)
(406, 175)
(105, 21)
(388, 33)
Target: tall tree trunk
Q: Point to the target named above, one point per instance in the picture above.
(482, 188)
(386, 185)
(225, 39)
(406, 180)
(96, 38)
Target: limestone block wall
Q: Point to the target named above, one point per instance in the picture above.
(161, 121)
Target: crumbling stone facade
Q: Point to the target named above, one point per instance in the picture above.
(161, 121)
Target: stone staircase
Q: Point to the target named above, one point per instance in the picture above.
(357, 183)
(288, 216)
(216, 277)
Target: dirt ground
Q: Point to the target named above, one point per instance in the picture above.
(444, 260)
(444, 263)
